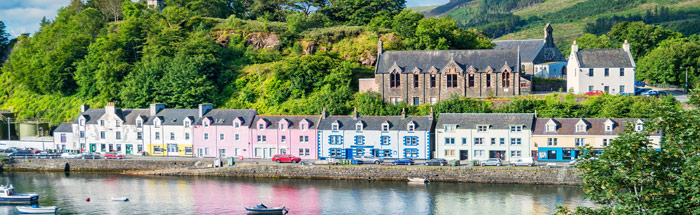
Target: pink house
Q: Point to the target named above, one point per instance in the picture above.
(223, 132)
(295, 135)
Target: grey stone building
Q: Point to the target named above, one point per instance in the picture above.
(539, 57)
(419, 77)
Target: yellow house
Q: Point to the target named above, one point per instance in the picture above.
(559, 139)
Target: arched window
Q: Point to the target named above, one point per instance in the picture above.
(488, 80)
(395, 80)
(471, 80)
(506, 79)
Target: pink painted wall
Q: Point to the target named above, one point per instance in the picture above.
(229, 143)
(292, 143)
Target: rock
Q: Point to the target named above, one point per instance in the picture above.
(368, 59)
(309, 47)
(262, 40)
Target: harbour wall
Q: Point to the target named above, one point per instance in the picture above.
(195, 167)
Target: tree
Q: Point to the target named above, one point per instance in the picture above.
(406, 22)
(4, 41)
(667, 63)
(109, 8)
(354, 12)
(591, 41)
(642, 37)
(443, 33)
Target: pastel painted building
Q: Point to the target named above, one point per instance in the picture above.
(63, 137)
(168, 132)
(480, 136)
(559, 139)
(223, 132)
(382, 136)
(295, 135)
(109, 130)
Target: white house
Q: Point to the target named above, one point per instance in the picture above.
(170, 132)
(63, 137)
(480, 136)
(108, 130)
(382, 136)
(607, 70)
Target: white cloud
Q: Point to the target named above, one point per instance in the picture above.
(24, 16)
(413, 3)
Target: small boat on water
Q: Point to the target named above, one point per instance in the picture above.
(120, 199)
(262, 209)
(418, 180)
(34, 209)
(8, 196)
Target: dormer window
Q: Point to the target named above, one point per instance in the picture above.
(411, 127)
(102, 123)
(639, 127)
(117, 124)
(282, 126)
(608, 127)
(358, 126)
(206, 123)
(450, 128)
(261, 126)
(334, 126)
(385, 127)
(236, 124)
(187, 124)
(580, 128)
(551, 128)
(482, 128)
(303, 127)
(156, 123)
(82, 122)
(139, 123)
(516, 128)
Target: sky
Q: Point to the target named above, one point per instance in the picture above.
(23, 16)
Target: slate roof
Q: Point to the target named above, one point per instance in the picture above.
(396, 123)
(596, 126)
(132, 114)
(294, 120)
(528, 48)
(64, 127)
(226, 116)
(172, 116)
(91, 116)
(495, 120)
(603, 58)
(424, 60)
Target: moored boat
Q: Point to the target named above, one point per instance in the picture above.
(418, 180)
(120, 199)
(8, 196)
(262, 209)
(37, 210)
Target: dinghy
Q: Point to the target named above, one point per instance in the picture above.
(120, 199)
(418, 180)
(262, 209)
(34, 209)
(8, 196)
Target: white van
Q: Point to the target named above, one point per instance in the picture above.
(528, 161)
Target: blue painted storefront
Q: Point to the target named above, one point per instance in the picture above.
(560, 153)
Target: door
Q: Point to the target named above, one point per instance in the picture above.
(172, 150)
(463, 154)
(266, 151)
(200, 152)
(129, 149)
(348, 154)
(606, 89)
(93, 147)
(283, 151)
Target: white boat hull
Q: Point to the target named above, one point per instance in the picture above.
(37, 210)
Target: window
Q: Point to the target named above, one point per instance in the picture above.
(236, 137)
(188, 150)
(450, 128)
(221, 136)
(385, 127)
(139, 124)
(222, 153)
(172, 135)
(206, 123)
(606, 89)
(187, 136)
(335, 153)
(411, 127)
(449, 152)
(187, 124)
(580, 128)
(552, 141)
(590, 88)
(118, 135)
(482, 128)
(506, 79)
(433, 100)
(102, 135)
(516, 128)
(606, 142)
(608, 127)
(206, 150)
(157, 150)
(503, 141)
(478, 141)
(464, 141)
(415, 81)
(622, 88)
(103, 148)
(303, 139)
(139, 135)
(523, 85)
(478, 153)
(607, 72)
(282, 126)
(82, 122)
(451, 80)
(449, 140)
(432, 81)
(639, 127)
(622, 72)
(359, 140)
(410, 141)
(515, 154)
(516, 141)
(334, 127)
(304, 152)
(395, 100)
(102, 123)
(358, 127)
(488, 80)
(385, 140)
(471, 80)
(395, 80)
(236, 124)
(590, 72)
(206, 136)
(551, 128)
(493, 141)
(416, 100)
(261, 126)
(335, 140)
(82, 134)
(117, 124)
(303, 127)
(262, 139)
(580, 141)
(410, 153)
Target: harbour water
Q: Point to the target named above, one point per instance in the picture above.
(217, 195)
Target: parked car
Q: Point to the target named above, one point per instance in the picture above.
(70, 155)
(45, 155)
(21, 153)
(34, 150)
(492, 162)
(11, 149)
(523, 162)
(594, 93)
(654, 93)
(90, 156)
(640, 91)
(455, 163)
(113, 155)
(436, 162)
(640, 84)
(368, 159)
(403, 161)
(286, 158)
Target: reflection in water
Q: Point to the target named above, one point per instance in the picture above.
(206, 195)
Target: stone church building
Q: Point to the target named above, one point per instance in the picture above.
(539, 57)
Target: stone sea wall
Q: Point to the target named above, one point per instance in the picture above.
(506, 175)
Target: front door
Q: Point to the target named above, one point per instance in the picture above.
(200, 152)
(283, 151)
(93, 147)
(464, 154)
(172, 150)
(348, 154)
(129, 149)
(266, 151)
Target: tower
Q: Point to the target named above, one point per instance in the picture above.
(548, 33)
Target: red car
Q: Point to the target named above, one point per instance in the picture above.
(594, 93)
(113, 155)
(286, 158)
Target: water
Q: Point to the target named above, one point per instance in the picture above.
(210, 195)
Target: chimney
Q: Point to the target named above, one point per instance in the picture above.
(84, 108)
(155, 108)
(323, 113)
(626, 46)
(109, 108)
(355, 115)
(204, 108)
(403, 113)
(574, 47)
(380, 47)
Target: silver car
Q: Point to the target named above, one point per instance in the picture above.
(90, 156)
(492, 162)
(369, 159)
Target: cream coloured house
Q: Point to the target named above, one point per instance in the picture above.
(607, 70)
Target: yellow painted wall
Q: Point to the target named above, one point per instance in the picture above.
(565, 141)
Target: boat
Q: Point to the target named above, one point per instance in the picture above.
(8, 196)
(262, 209)
(120, 199)
(418, 180)
(34, 209)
